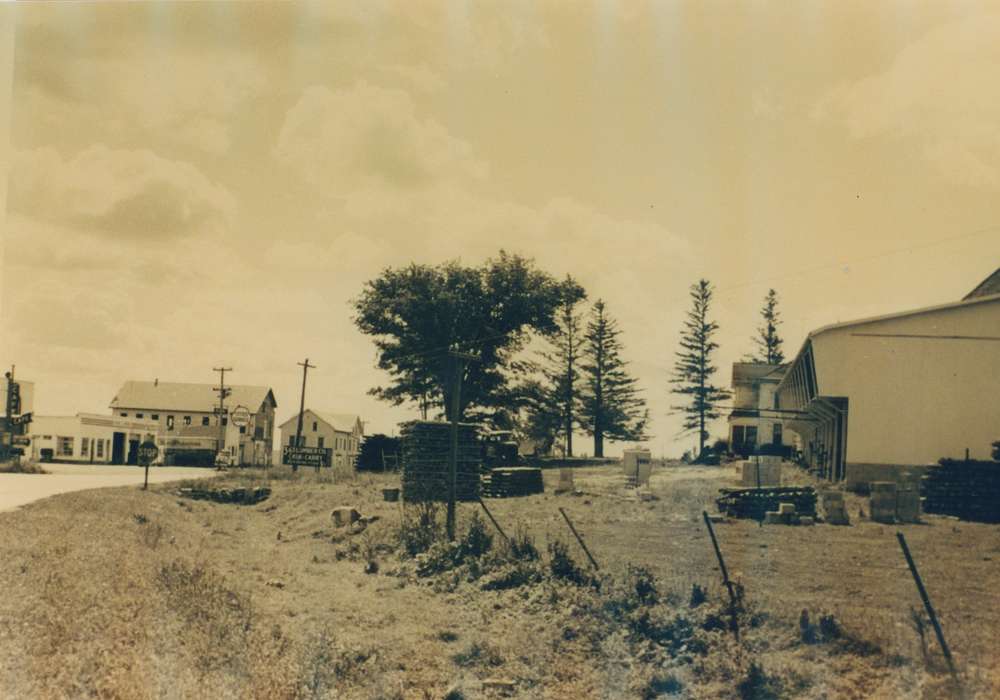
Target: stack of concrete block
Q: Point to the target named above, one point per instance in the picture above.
(834, 509)
(769, 468)
(786, 515)
(883, 501)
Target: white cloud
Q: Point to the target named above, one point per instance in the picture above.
(367, 136)
(120, 193)
(940, 95)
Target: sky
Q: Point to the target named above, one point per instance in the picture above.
(202, 184)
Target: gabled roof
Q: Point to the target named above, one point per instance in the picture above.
(988, 287)
(751, 371)
(178, 396)
(341, 422)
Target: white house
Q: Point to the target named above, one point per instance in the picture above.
(340, 432)
(876, 397)
(189, 426)
(88, 438)
(754, 422)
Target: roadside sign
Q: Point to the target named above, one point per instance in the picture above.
(148, 451)
(21, 420)
(240, 416)
(307, 456)
(22, 441)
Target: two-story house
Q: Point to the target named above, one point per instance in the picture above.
(191, 429)
(339, 432)
(754, 420)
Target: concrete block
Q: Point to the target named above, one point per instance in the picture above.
(908, 504)
(786, 508)
(883, 501)
(773, 517)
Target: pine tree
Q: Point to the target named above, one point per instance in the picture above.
(693, 368)
(555, 400)
(611, 407)
(768, 341)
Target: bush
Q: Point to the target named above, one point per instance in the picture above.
(662, 685)
(522, 546)
(720, 446)
(417, 534)
(562, 566)
(759, 685)
(698, 595)
(477, 540)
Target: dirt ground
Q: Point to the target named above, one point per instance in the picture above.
(121, 593)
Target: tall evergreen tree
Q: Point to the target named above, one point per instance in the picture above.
(768, 341)
(611, 407)
(693, 368)
(560, 371)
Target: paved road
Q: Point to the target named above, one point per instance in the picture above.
(18, 489)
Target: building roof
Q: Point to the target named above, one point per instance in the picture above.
(968, 301)
(178, 396)
(341, 422)
(751, 371)
(988, 287)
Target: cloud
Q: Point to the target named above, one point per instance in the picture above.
(367, 136)
(940, 94)
(122, 194)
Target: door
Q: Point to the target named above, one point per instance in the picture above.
(133, 451)
(118, 448)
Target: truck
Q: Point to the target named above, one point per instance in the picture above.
(499, 449)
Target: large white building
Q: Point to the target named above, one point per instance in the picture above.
(89, 438)
(869, 397)
(189, 429)
(754, 422)
(339, 432)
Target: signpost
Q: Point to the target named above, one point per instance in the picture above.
(306, 456)
(148, 451)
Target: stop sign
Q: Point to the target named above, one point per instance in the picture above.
(148, 451)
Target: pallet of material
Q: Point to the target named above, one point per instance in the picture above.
(756, 503)
(426, 451)
(504, 482)
(969, 490)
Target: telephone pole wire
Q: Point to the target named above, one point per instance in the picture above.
(302, 407)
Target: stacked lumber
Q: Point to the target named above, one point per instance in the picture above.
(966, 489)
(756, 503)
(426, 449)
(504, 482)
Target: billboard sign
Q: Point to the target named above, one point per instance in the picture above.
(306, 456)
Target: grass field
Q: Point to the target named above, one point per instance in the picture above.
(121, 593)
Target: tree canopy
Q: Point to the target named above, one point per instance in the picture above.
(767, 340)
(417, 313)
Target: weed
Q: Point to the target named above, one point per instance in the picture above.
(759, 685)
(479, 654)
(658, 685)
(698, 596)
(447, 636)
(418, 534)
(522, 546)
(477, 539)
(562, 565)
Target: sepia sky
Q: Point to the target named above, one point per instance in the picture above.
(199, 183)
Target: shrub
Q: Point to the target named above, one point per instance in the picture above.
(561, 564)
(522, 546)
(662, 685)
(758, 685)
(477, 539)
(479, 654)
(417, 534)
(698, 595)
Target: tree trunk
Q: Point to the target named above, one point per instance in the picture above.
(598, 443)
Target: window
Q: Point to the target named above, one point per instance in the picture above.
(752, 435)
(777, 434)
(187, 420)
(138, 416)
(99, 446)
(319, 442)
(225, 421)
(84, 446)
(291, 441)
(204, 420)
(46, 437)
(64, 446)
(154, 416)
(243, 430)
(170, 422)
(124, 414)
(314, 426)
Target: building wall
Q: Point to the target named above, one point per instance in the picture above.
(914, 400)
(345, 445)
(58, 432)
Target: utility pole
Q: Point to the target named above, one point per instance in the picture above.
(8, 428)
(302, 407)
(223, 393)
(459, 359)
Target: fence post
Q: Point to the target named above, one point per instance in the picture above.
(725, 575)
(492, 519)
(580, 540)
(927, 604)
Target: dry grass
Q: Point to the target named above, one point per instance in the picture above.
(21, 467)
(129, 594)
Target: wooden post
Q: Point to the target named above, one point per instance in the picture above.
(580, 540)
(456, 389)
(725, 575)
(927, 604)
(492, 519)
